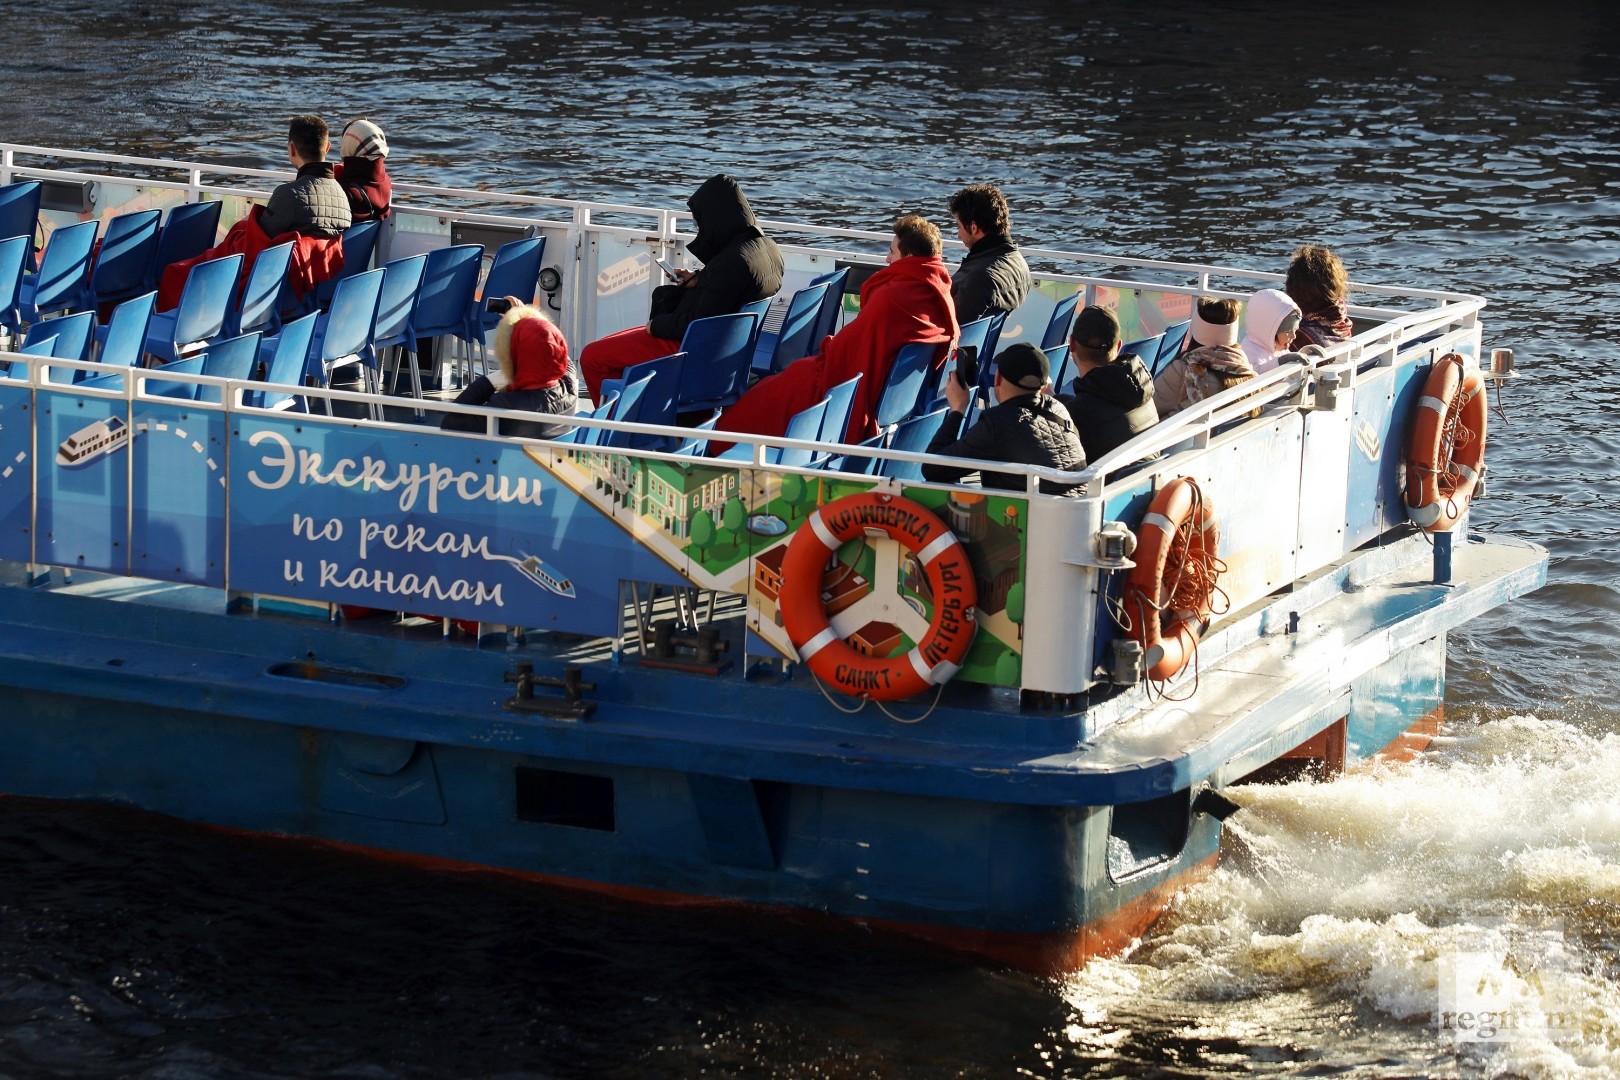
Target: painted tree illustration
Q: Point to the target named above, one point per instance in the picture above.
(731, 519)
(793, 487)
(702, 531)
(1015, 607)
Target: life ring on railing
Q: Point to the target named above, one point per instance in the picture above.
(1170, 594)
(936, 658)
(1446, 452)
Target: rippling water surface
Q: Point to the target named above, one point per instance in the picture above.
(1460, 146)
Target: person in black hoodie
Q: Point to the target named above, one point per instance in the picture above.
(1113, 395)
(740, 265)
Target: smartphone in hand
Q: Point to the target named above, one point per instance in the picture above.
(668, 270)
(967, 366)
(497, 305)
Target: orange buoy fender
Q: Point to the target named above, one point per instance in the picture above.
(933, 660)
(1169, 595)
(1446, 453)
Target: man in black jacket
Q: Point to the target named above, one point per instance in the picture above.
(740, 265)
(993, 276)
(1025, 427)
(1113, 395)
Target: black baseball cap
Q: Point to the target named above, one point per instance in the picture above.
(1024, 365)
(1095, 328)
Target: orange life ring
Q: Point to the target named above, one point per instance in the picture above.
(1175, 574)
(1446, 452)
(933, 660)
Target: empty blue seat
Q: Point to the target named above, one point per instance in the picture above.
(230, 358)
(1147, 348)
(627, 409)
(200, 317)
(832, 303)
(840, 401)
(190, 365)
(795, 337)
(659, 399)
(718, 352)
(1057, 327)
(391, 337)
(122, 342)
(189, 230)
(1175, 336)
(19, 214)
(72, 336)
(63, 281)
(359, 242)
(344, 334)
(912, 436)
(588, 436)
(449, 280)
(264, 292)
(127, 249)
(284, 358)
(14, 255)
(515, 271)
(907, 377)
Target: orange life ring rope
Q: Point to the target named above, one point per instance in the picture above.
(1446, 453)
(1170, 593)
(933, 660)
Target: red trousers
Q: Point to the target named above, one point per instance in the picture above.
(606, 358)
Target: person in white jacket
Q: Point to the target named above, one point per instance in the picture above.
(1270, 320)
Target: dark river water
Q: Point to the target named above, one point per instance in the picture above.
(1465, 146)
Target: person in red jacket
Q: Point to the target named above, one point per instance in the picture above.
(907, 301)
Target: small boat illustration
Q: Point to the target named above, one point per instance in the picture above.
(543, 573)
(93, 441)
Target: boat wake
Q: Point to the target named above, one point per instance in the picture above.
(1489, 869)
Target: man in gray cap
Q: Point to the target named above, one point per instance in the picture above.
(1024, 427)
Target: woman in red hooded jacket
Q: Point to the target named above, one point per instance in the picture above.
(363, 172)
(908, 301)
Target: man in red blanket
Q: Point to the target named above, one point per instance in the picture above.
(907, 301)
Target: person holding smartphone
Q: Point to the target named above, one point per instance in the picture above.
(740, 265)
(1026, 426)
(531, 375)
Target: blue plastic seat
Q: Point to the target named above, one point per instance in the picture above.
(284, 358)
(912, 436)
(14, 254)
(402, 283)
(1175, 336)
(907, 377)
(1147, 348)
(627, 409)
(832, 303)
(63, 281)
(1057, 327)
(19, 214)
(585, 436)
(805, 424)
(359, 242)
(189, 230)
(72, 336)
(515, 271)
(982, 334)
(840, 401)
(1057, 361)
(127, 249)
(200, 317)
(992, 340)
(190, 365)
(231, 358)
(718, 352)
(45, 346)
(693, 445)
(344, 334)
(263, 293)
(122, 341)
(448, 282)
(659, 400)
(794, 338)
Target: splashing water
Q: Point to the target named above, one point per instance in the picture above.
(1374, 890)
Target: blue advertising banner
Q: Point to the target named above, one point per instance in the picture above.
(178, 471)
(16, 471)
(83, 478)
(431, 524)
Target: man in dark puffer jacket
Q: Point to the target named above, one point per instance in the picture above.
(312, 203)
(1026, 427)
(1113, 396)
(740, 265)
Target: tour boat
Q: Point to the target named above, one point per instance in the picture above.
(974, 716)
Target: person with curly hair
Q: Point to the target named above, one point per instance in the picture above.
(1318, 284)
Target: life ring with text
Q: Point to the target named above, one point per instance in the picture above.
(932, 661)
(1171, 592)
(1446, 453)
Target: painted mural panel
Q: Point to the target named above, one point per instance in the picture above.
(178, 474)
(83, 480)
(16, 472)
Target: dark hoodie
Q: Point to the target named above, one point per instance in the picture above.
(740, 263)
(1111, 403)
(993, 277)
